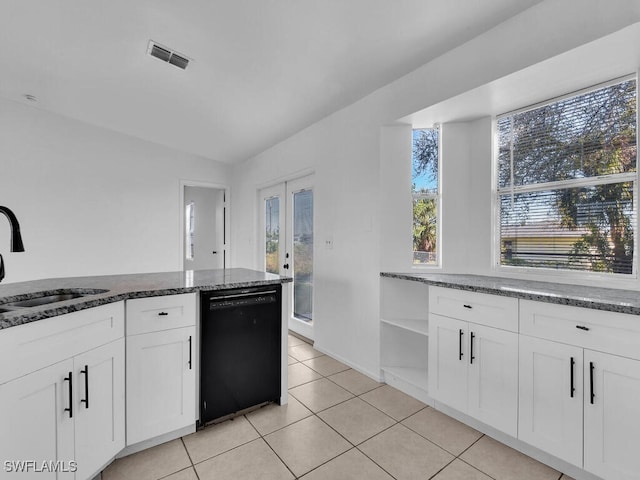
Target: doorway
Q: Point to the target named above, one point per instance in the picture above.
(204, 226)
(286, 246)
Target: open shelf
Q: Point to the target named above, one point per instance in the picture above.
(417, 326)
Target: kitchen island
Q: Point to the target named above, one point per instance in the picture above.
(94, 368)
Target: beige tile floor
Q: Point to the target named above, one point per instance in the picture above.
(339, 424)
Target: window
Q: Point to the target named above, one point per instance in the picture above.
(424, 190)
(566, 176)
(189, 230)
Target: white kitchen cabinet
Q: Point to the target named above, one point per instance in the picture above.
(473, 367)
(46, 419)
(611, 416)
(161, 366)
(597, 429)
(99, 407)
(35, 425)
(404, 331)
(551, 397)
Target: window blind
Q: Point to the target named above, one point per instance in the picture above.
(566, 182)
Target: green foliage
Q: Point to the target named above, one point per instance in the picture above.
(424, 225)
(600, 139)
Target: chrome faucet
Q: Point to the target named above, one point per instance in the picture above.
(16, 237)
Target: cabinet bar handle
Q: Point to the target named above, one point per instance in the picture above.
(582, 327)
(571, 367)
(471, 348)
(85, 400)
(163, 314)
(467, 306)
(70, 380)
(591, 369)
(460, 345)
(189, 352)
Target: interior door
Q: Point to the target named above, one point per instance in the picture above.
(204, 228)
(287, 232)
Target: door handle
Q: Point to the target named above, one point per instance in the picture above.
(591, 369)
(190, 355)
(85, 400)
(460, 344)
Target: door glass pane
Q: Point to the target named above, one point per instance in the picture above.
(303, 255)
(272, 235)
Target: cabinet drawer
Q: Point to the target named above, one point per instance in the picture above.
(491, 310)
(154, 314)
(30, 347)
(611, 332)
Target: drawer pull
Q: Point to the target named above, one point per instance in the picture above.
(591, 369)
(572, 365)
(163, 314)
(70, 380)
(467, 306)
(582, 327)
(460, 345)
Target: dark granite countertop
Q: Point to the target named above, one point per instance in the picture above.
(610, 299)
(122, 287)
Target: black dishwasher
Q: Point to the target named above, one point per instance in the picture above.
(240, 349)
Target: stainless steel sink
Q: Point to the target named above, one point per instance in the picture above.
(48, 297)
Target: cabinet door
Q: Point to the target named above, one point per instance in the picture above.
(35, 426)
(611, 416)
(161, 383)
(550, 416)
(448, 347)
(493, 377)
(99, 403)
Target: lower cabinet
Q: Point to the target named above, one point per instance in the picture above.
(69, 415)
(64, 419)
(161, 383)
(579, 399)
(581, 406)
(161, 366)
(474, 369)
(33, 411)
(611, 416)
(100, 403)
(551, 397)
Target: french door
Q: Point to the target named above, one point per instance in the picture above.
(286, 226)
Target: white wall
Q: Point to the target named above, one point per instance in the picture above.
(353, 155)
(90, 201)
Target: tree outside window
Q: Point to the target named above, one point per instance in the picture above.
(566, 182)
(424, 190)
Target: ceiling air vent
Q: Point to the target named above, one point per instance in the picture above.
(167, 55)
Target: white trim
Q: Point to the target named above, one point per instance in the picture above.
(559, 98)
(571, 183)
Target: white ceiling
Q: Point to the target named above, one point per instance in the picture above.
(261, 71)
